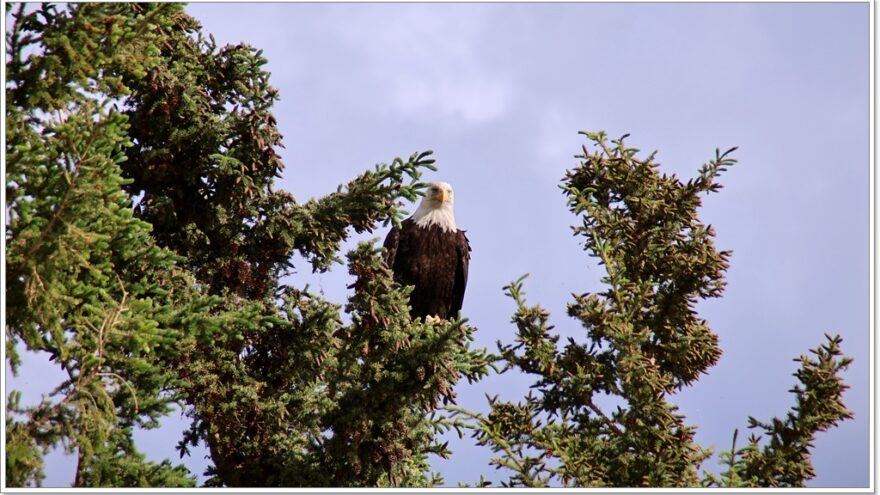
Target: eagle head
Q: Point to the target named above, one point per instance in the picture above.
(439, 194)
(436, 207)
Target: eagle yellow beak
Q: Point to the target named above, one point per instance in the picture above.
(442, 197)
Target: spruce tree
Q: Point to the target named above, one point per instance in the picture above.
(146, 246)
(643, 343)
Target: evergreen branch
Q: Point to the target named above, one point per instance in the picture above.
(602, 250)
(131, 389)
(56, 214)
(64, 200)
(785, 460)
(12, 43)
(598, 412)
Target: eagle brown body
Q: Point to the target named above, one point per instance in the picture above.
(434, 262)
(428, 252)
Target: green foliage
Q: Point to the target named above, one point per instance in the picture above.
(24, 462)
(117, 463)
(785, 460)
(600, 413)
(85, 281)
(302, 399)
(176, 299)
(392, 373)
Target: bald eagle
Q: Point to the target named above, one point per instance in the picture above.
(429, 253)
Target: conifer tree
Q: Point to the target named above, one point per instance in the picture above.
(175, 298)
(643, 343)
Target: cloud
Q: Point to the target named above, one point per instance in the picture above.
(422, 60)
(556, 134)
(472, 99)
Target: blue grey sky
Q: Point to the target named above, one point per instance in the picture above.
(499, 92)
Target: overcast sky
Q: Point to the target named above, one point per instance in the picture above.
(499, 92)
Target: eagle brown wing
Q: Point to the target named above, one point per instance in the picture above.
(463, 251)
(391, 242)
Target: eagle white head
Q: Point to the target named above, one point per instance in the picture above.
(436, 208)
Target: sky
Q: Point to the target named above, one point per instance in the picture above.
(500, 91)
